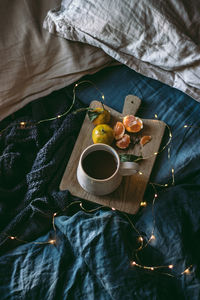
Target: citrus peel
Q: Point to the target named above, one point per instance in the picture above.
(132, 123)
(99, 116)
(103, 133)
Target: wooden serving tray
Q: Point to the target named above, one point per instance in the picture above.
(130, 193)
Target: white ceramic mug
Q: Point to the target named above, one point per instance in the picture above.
(103, 186)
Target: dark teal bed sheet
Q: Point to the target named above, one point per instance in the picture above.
(171, 106)
(93, 254)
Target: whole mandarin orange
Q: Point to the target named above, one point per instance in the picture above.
(103, 133)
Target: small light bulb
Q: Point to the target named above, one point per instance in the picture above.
(152, 269)
(22, 124)
(187, 271)
(152, 237)
(143, 203)
(170, 266)
(185, 126)
(113, 208)
(55, 214)
(140, 239)
(58, 116)
(102, 97)
(140, 173)
(12, 237)
(133, 263)
(52, 241)
(155, 153)
(156, 195)
(156, 116)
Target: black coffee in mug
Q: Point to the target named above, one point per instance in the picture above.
(99, 164)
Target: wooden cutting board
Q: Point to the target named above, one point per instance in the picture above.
(130, 193)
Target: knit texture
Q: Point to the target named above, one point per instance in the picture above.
(32, 161)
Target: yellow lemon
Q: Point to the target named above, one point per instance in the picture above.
(102, 116)
(103, 133)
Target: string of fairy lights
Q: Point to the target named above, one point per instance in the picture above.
(140, 239)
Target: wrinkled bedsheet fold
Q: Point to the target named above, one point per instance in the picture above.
(95, 246)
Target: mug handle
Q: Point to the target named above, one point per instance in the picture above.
(128, 168)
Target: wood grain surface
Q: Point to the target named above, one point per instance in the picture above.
(130, 193)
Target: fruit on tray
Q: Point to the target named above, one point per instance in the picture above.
(145, 139)
(119, 130)
(132, 123)
(103, 133)
(99, 115)
(124, 142)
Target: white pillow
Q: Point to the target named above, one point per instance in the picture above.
(156, 38)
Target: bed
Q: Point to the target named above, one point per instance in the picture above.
(56, 57)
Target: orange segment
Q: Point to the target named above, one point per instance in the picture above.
(132, 123)
(145, 139)
(119, 130)
(124, 142)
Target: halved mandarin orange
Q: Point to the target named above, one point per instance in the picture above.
(119, 130)
(145, 139)
(132, 123)
(124, 142)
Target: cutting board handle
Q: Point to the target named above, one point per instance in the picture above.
(131, 105)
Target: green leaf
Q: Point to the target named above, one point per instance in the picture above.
(129, 157)
(93, 114)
